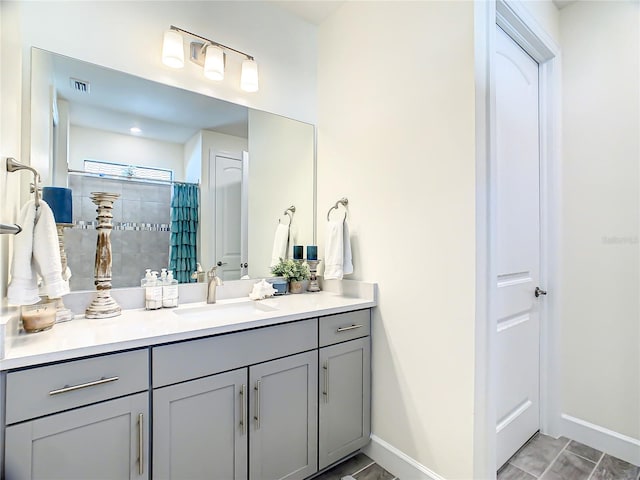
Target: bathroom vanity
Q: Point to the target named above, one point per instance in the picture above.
(259, 390)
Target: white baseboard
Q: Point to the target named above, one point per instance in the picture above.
(613, 443)
(396, 462)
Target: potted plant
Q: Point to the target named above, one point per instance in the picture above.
(294, 272)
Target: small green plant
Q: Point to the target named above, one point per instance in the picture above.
(291, 270)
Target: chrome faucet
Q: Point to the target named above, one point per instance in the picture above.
(214, 281)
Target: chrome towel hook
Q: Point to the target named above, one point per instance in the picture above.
(13, 166)
(344, 201)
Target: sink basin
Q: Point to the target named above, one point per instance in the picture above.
(232, 310)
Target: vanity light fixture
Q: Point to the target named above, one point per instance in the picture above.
(210, 55)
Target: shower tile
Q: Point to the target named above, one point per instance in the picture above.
(569, 466)
(133, 191)
(612, 468)
(132, 211)
(155, 212)
(511, 472)
(538, 453)
(584, 451)
(130, 243)
(88, 209)
(76, 205)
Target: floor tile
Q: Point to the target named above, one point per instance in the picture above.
(569, 467)
(511, 472)
(584, 451)
(612, 468)
(538, 453)
(374, 472)
(347, 467)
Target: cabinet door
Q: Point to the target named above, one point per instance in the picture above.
(200, 428)
(283, 406)
(101, 441)
(345, 399)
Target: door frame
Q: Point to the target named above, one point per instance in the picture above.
(516, 20)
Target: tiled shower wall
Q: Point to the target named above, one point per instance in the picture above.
(139, 240)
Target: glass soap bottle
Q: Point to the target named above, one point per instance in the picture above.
(170, 291)
(152, 290)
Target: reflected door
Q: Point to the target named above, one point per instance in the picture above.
(518, 246)
(228, 188)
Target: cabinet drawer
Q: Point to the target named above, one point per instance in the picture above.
(44, 390)
(344, 326)
(198, 358)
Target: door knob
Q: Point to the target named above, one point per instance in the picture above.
(220, 263)
(539, 292)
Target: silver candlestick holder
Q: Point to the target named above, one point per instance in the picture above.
(103, 306)
(313, 280)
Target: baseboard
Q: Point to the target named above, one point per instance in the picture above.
(608, 441)
(398, 463)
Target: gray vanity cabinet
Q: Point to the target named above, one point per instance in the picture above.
(345, 387)
(200, 428)
(283, 409)
(103, 441)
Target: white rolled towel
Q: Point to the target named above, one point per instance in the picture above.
(280, 244)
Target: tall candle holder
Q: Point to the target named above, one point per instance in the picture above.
(63, 314)
(313, 280)
(103, 306)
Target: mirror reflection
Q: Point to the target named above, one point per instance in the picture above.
(168, 152)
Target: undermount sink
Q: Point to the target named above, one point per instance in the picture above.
(229, 309)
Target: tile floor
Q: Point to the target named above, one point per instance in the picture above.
(542, 458)
(359, 467)
(547, 458)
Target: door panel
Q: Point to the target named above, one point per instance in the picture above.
(518, 246)
(283, 407)
(95, 442)
(198, 431)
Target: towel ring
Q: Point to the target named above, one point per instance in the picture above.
(289, 212)
(13, 166)
(344, 201)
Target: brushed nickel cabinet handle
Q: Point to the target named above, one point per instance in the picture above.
(325, 367)
(140, 444)
(345, 329)
(73, 388)
(243, 409)
(256, 417)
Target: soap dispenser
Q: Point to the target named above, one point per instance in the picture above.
(152, 290)
(170, 291)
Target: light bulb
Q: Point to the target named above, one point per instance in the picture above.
(249, 76)
(214, 63)
(173, 49)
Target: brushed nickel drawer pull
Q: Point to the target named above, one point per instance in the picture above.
(72, 388)
(140, 445)
(325, 367)
(256, 416)
(352, 327)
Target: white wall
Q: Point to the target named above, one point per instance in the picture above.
(600, 306)
(396, 136)
(280, 175)
(91, 144)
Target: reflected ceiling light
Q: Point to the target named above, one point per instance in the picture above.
(210, 55)
(135, 130)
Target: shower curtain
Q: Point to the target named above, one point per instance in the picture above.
(184, 227)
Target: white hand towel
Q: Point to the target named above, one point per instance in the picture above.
(293, 239)
(23, 287)
(347, 263)
(337, 253)
(36, 252)
(280, 243)
(46, 253)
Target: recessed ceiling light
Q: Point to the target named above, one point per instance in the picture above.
(135, 130)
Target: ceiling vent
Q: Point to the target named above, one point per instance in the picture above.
(80, 86)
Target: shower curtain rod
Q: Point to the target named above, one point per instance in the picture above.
(131, 179)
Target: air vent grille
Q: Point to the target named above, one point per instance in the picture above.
(81, 86)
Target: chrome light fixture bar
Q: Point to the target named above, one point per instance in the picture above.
(208, 54)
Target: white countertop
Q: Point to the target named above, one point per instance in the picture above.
(138, 328)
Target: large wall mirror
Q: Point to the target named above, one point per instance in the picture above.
(104, 130)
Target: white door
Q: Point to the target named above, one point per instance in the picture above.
(228, 210)
(518, 246)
